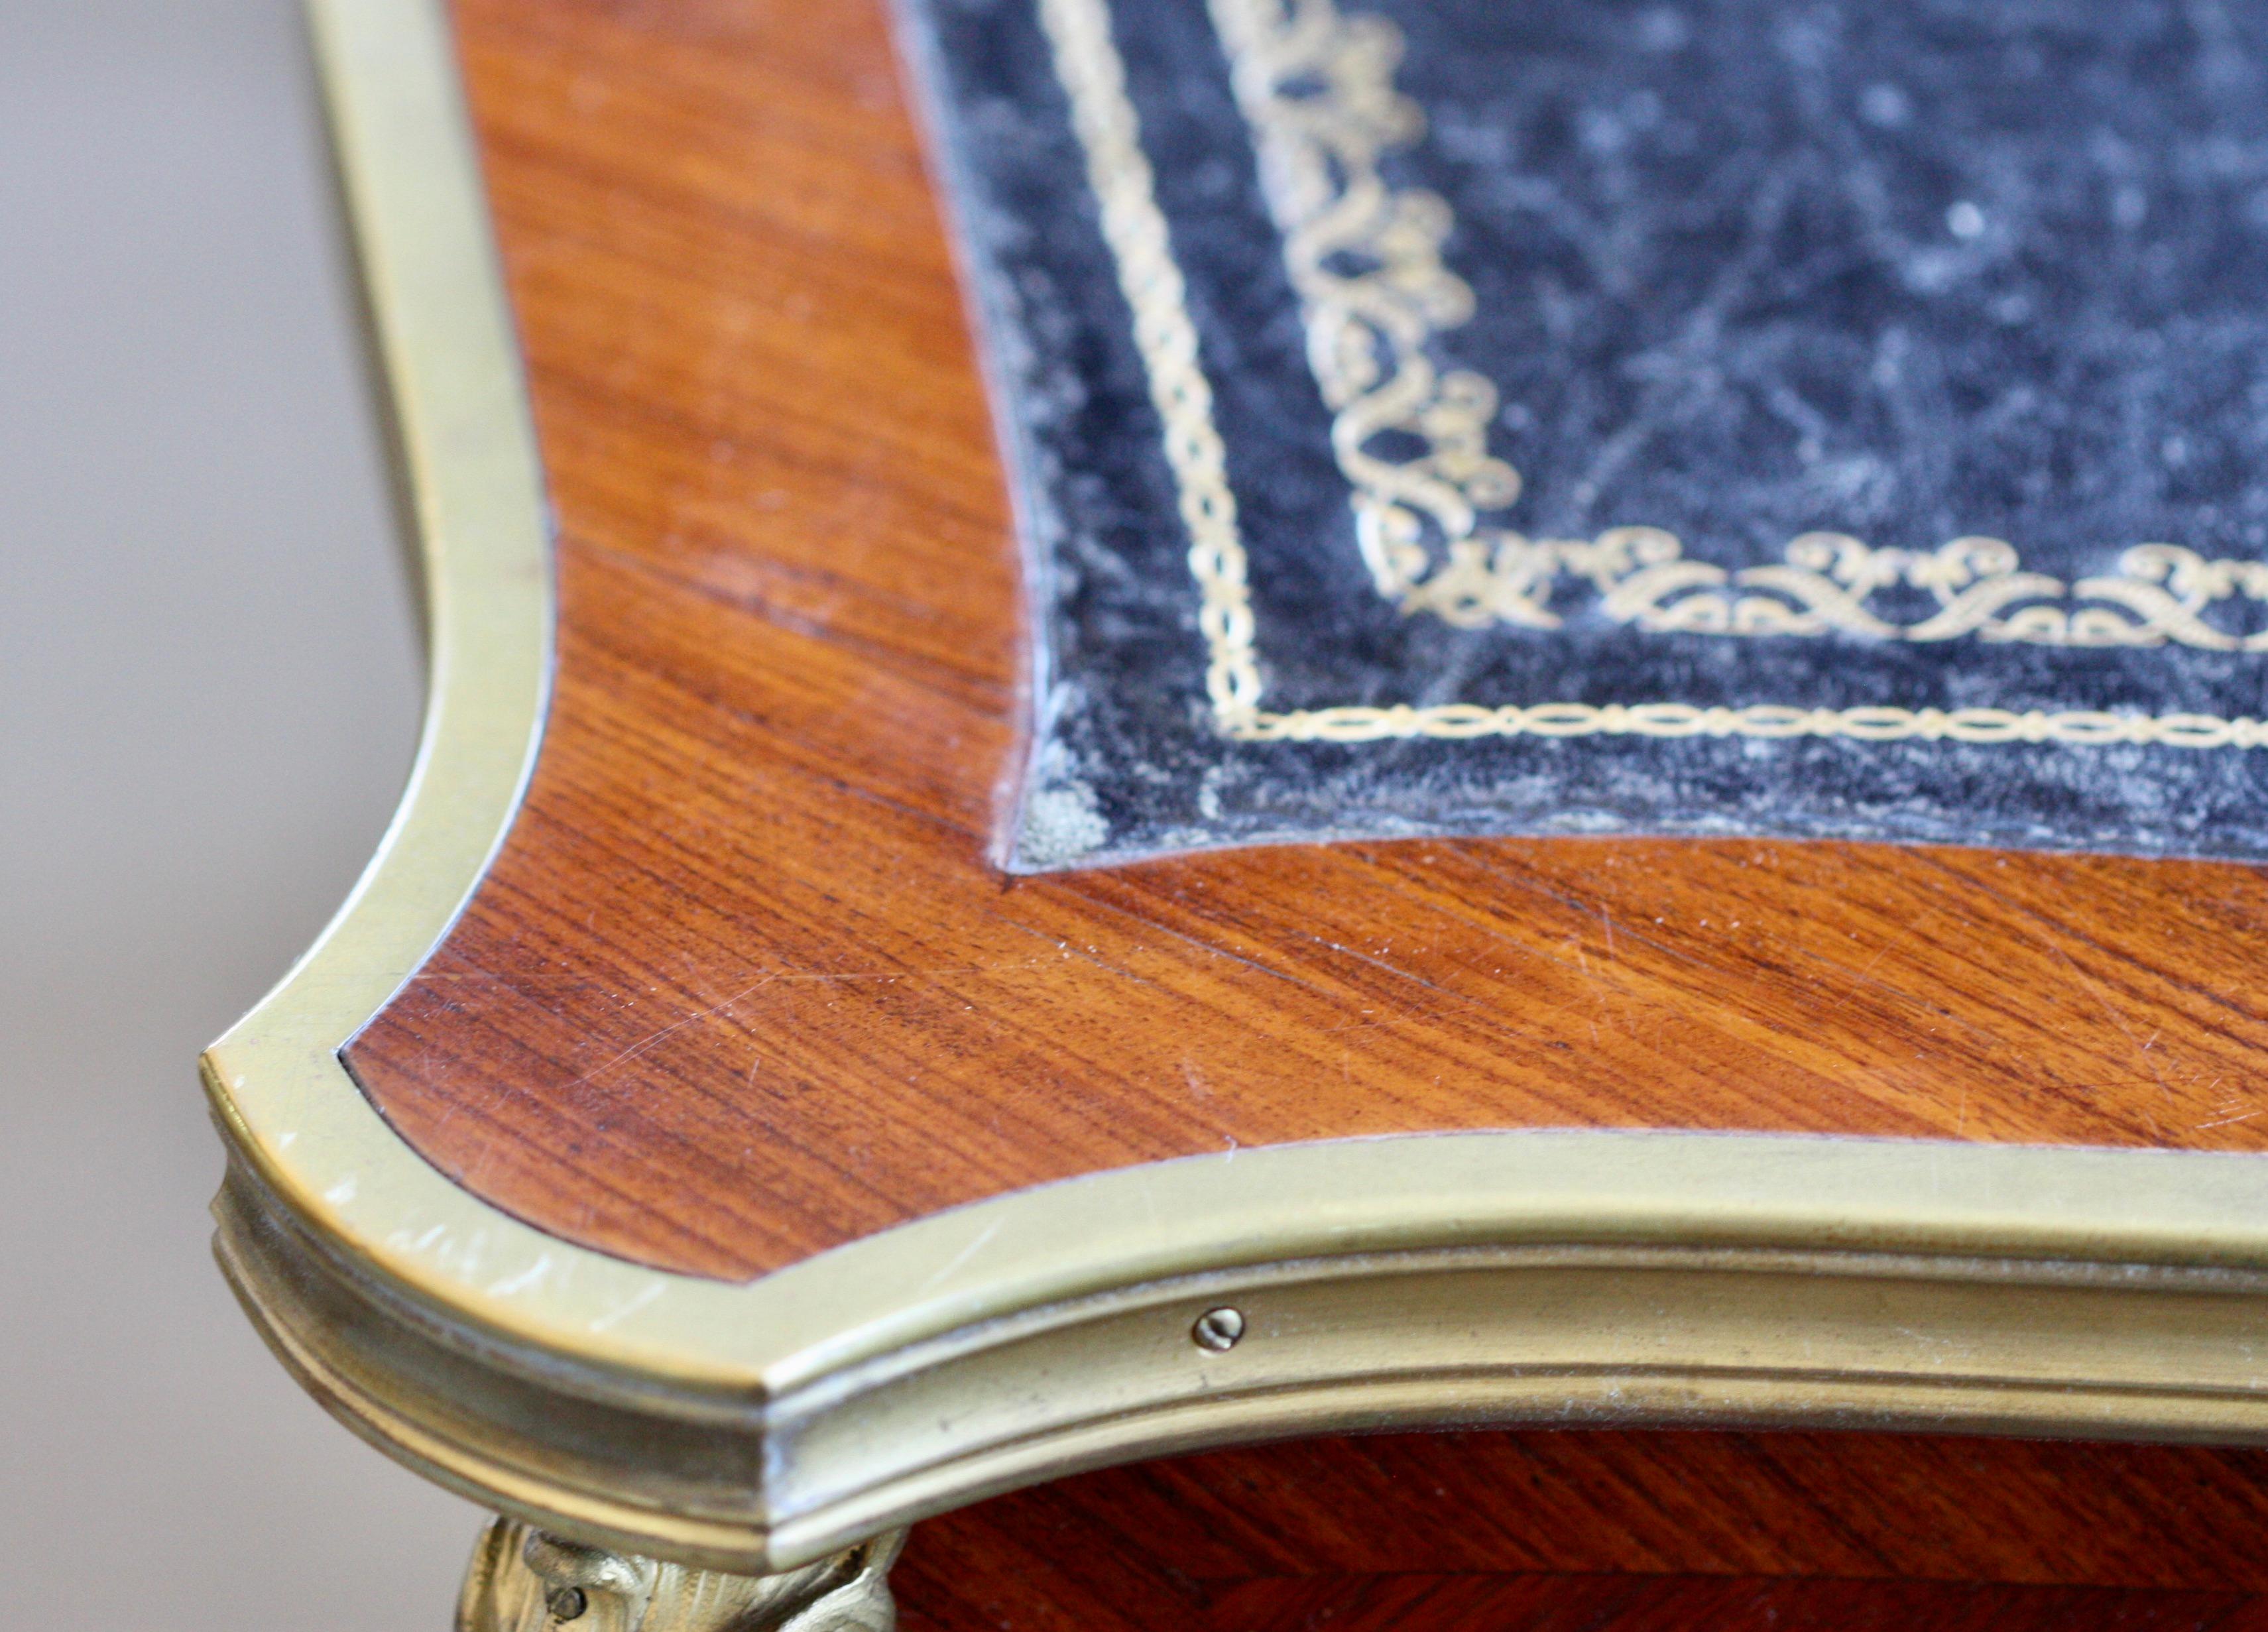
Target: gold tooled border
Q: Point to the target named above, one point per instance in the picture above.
(1092, 74)
(1368, 340)
(1436, 1278)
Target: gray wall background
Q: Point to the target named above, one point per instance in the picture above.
(208, 697)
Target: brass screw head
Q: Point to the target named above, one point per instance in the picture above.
(1218, 1329)
(566, 1603)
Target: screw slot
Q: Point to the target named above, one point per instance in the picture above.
(1218, 1330)
(567, 1603)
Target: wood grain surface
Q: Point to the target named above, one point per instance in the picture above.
(1610, 1532)
(743, 985)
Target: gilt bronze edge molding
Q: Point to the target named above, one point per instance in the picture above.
(1024, 1388)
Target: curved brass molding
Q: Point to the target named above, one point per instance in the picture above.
(1431, 1279)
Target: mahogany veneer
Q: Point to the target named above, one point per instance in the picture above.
(743, 986)
(1607, 1532)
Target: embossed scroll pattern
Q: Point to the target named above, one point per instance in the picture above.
(1830, 582)
(1376, 384)
(1316, 85)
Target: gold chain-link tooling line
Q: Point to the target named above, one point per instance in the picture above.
(1682, 720)
(1088, 63)
(1094, 77)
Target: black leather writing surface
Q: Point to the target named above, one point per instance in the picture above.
(1843, 418)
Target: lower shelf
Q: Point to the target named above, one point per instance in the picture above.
(1614, 1532)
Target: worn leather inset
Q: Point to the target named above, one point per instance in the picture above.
(1847, 321)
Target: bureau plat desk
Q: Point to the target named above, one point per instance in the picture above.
(780, 1083)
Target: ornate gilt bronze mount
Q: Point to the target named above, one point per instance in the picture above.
(523, 1580)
